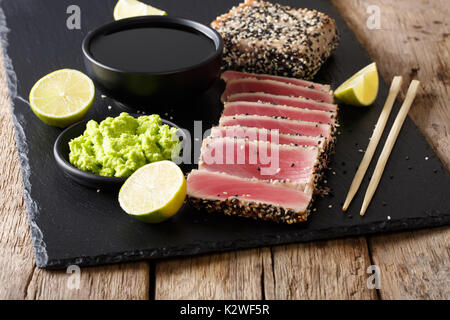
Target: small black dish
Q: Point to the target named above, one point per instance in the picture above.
(139, 90)
(61, 153)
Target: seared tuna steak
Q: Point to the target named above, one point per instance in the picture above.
(291, 165)
(274, 87)
(285, 126)
(273, 110)
(297, 102)
(266, 135)
(231, 195)
(264, 37)
(231, 75)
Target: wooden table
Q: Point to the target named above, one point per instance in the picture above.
(413, 42)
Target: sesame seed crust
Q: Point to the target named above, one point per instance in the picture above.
(262, 37)
(263, 211)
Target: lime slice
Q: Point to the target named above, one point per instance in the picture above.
(154, 193)
(361, 89)
(62, 98)
(133, 8)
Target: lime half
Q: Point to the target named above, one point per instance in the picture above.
(154, 193)
(361, 89)
(62, 98)
(133, 8)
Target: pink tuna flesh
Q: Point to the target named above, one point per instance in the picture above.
(265, 135)
(270, 110)
(204, 184)
(285, 126)
(297, 102)
(261, 160)
(231, 75)
(273, 87)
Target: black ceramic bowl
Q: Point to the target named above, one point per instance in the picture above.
(61, 152)
(142, 89)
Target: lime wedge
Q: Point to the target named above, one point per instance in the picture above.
(133, 8)
(361, 89)
(62, 98)
(154, 193)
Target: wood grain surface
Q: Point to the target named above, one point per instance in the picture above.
(413, 42)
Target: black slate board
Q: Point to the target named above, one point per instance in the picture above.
(71, 224)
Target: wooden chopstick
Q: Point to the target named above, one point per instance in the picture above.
(374, 140)
(392, 137)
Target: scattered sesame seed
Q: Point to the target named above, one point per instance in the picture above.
(109, 107)
(426, 158)
(389, 217)
(103, 96)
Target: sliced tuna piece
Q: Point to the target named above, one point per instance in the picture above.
(266, 135)
(273, 87)
(285, 126)
(218, 192)
(293, 166)
(270, 110)
(231, 75)
(297, 102)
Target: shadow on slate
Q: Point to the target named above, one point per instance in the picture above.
(71, 224)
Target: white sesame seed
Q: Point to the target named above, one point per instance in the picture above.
(109, 107)
(389, 217)
(426, 158)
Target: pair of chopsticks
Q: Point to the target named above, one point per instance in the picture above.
(375, 139)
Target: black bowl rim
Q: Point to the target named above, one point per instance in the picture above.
(68, 168)
(197, 26)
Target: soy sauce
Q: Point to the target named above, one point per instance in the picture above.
(152, 49)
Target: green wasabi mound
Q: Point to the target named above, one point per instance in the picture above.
(117, 147)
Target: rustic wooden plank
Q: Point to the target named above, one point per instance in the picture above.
(333, 269)
(413, 42)
(19, 278)
(230, 275)
(413, 265)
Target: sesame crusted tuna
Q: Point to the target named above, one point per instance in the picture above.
(274, 87)
(285, 126)
(266, 109)
(294, 166)
(231, 75)
(297, 102)
(267, 135)
(231, 195)
(262, 37)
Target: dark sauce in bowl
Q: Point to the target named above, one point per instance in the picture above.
(152, 49)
